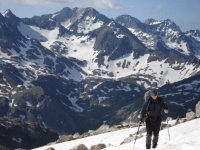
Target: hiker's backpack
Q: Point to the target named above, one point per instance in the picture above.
(147, 96)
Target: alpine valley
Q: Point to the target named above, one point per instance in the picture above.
(76, 69)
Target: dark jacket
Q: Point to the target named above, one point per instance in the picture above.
(153, 109)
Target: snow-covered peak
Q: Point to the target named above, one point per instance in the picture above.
(81, 20)
(7, 13)
(84, 20)
(163, 23)
(172, 36)
(11, 18)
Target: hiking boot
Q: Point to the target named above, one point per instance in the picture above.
(154, 146)
(148, 146)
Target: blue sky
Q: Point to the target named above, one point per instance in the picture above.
(185, 13)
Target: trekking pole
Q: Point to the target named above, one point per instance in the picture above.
(136, 136)
(168, 130)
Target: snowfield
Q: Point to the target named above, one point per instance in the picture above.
(184, 136)
(81, 47)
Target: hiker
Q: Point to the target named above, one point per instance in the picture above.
(152, 114)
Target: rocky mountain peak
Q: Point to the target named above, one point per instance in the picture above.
(66, 9)
(85, 10)
(79, 12)
(8, 13)
(62, 15)
(84, 13)
(163, 23)
(11, 18)
(194, 32)
(129, 21)
(170, 24)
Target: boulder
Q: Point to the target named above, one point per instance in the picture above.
(80, 147)
(76, 136)
(102, 129)
(64, 138)
(98, 147)
(181, 120)
(190, 115)
(50, 148)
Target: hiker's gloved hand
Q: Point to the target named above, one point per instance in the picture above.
(141, 123)
(166, 111)
(139, 116)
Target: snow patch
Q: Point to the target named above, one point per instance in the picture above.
(28, 104)
(18, 140)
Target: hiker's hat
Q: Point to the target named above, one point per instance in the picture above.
(154, 92)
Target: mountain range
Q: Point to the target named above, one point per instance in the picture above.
(76, 69)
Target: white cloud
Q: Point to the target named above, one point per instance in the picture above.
(101, 4)
(106, 4)
(38, 2)
(42, 2)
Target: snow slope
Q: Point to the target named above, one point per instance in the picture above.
(184, 136)
(81, 48)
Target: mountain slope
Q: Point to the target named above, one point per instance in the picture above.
(81, 65)
(112, 49)
(16, 133)
(182, 96)
(181, 136)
